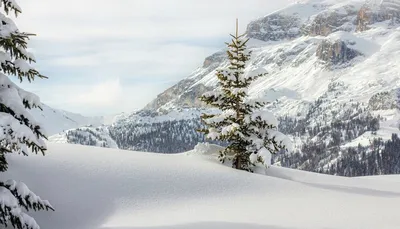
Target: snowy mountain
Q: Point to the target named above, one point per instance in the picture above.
(333, 82)
(55, 121)
(93, 188)
(306, 47)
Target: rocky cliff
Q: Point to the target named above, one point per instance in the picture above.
(335, 53)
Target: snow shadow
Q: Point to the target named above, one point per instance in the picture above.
(355, 190)
(76, 205)
(87, 190)
(294, 176)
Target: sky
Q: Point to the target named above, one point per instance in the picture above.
(107, 57)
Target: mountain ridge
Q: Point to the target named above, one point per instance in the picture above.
(55, 121)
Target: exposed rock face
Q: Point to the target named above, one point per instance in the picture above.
(180, 90)
(191, 97)
(364, 18)
(335, 53)
(275, 27)
(170, 94)
(384, 101)
(332, 21)
(214, 59)
(278, 26)
(370, 14)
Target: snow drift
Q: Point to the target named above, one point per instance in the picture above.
(106, 188)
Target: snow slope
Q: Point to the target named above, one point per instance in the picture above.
(55, 121)
(106, 188)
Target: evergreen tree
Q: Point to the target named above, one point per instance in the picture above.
(20, 133)
(250, 132)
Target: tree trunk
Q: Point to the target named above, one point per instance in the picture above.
(238, 161)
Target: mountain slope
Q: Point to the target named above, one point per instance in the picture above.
(55, 121)
(301, 67)
(121, 189)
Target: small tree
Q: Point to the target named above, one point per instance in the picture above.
(19, 132)
(250, 131)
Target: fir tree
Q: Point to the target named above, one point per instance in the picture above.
(250, 132)
(20, 133)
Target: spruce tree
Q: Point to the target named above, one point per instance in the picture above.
(19, 132)
(249, 130)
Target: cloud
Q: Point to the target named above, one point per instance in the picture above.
(134, 60)
(72, 61)
(104, 56)
(151, 19)
(100, 98)
(104, 94)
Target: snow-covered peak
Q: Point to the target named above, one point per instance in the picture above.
(304, 18)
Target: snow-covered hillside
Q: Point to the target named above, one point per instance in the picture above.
(94, 188)
(55, 121)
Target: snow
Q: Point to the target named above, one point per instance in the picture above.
(11, 3)
(296, 77)
(6, 198)
(389, 126)
(257, 72)
(56, 121)
(15, 196)
(306, 9)
(111, 119)
(266, 116)
(391, 4)
(95, 136)
(12, 96)
(229, 129)
(4, 57)
(8, 27)
(175, 114)
(265, 154)
(207, 149)
(299, 78)
(13, 132)
(22, 65)
(105, 188)
(359, 44)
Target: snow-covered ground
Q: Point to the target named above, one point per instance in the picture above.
(107, 188)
